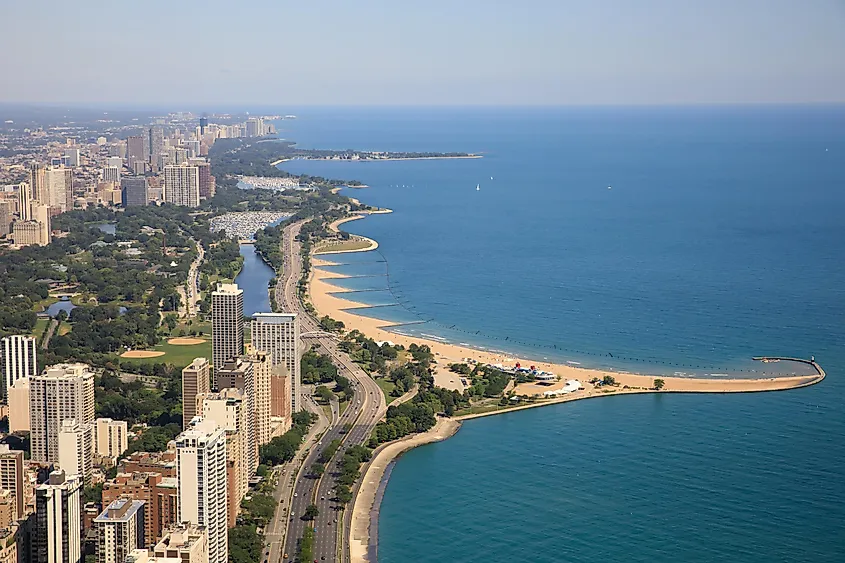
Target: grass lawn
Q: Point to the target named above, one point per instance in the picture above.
(489, 407)
(343, 246)
(198, 326)
(40, 326)
(387, 387)
(179, 356)
(42, 305)
(64, 328)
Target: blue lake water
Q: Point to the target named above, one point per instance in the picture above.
(679, 240)
(254, 278)
(65, 306)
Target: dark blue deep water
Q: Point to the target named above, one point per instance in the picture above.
(721, 237)
(254, 278)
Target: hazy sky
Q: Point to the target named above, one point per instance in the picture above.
(459, 52)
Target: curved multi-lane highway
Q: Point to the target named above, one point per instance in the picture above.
(364, 411)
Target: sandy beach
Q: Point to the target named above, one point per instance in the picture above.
(333, 305)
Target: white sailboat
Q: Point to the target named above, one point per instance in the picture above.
(477, 187)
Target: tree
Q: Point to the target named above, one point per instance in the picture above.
(317, 469)
(344, 494)
(311, 512)
(608, 380)
(658, 384)
(324, 394)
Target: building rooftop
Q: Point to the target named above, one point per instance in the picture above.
(121, 510)
(274, 317)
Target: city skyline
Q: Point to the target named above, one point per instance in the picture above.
(534, 53)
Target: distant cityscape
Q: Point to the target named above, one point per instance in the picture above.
(48, 171)
(173, 504)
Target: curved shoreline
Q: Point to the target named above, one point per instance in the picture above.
(366, 502)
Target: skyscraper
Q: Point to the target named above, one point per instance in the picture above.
(59, 189)
(203, 125)
(156, 143)
(278, 335)
(228, 410)
(195, 381)
(57, 533)
(18, 360)
(72, 155)
(63, 391)
(38, 182)
(136, 149)
(134, 191)
(17, 397)
(227, 325)
(181, 185)
(120, 529)
(76, 448)
(5, 218)
(41, 216)
(12, 476)
(201, 455)
(254, 127)
(24, 201)
(206, 182)
(259, 400)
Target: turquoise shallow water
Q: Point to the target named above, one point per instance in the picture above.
(721, 238)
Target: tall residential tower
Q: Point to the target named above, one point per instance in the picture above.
(227, 325)
(278, 335)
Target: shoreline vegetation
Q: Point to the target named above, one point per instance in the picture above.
(328, 300)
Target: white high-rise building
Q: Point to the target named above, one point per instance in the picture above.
(72, 155)
(111, 438)
(278, 335)
(18, 360)
(25, 201)
(57, 532)
(75, 449)
(111, 174)
(59, 183)
(201, 474)
(17, 397)
(228, 410)
(120, 530)
(115, 161)
(227, 325)
(62, 392)
(182, 185)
